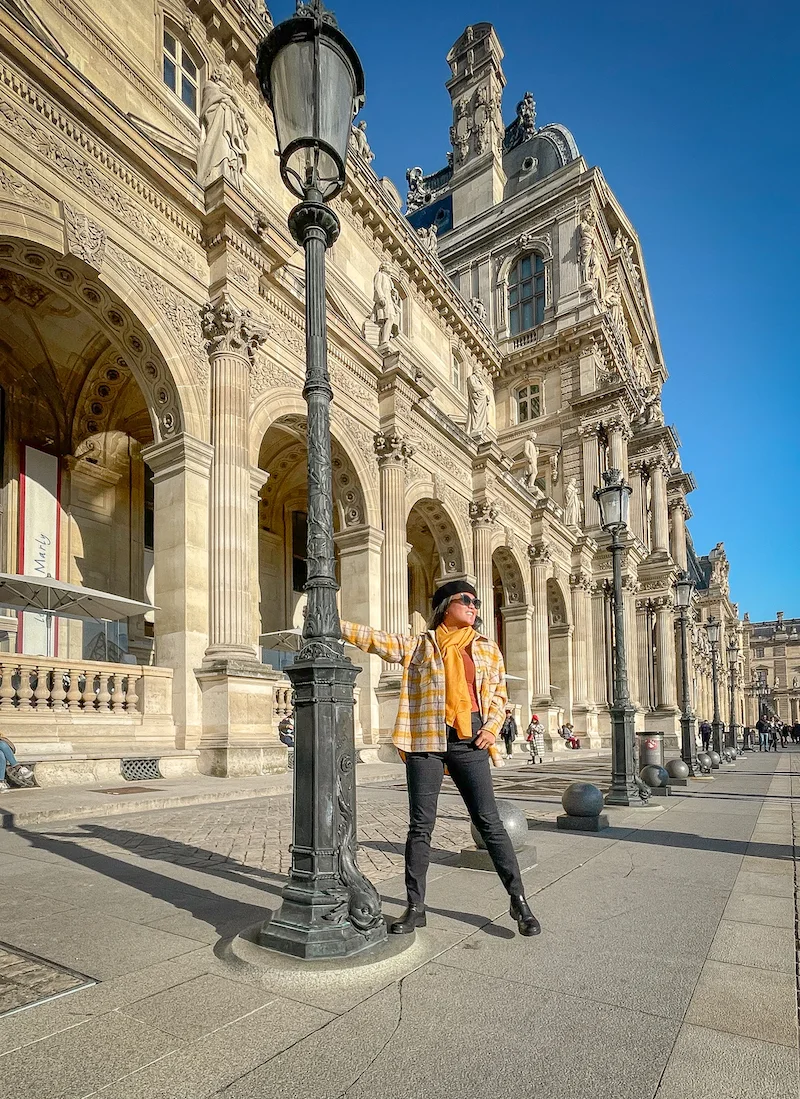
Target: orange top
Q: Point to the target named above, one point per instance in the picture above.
(469, 673)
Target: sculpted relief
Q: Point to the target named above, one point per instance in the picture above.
(223, 131)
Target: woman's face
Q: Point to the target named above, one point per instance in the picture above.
(459, 613)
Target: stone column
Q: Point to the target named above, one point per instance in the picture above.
(637, 510)
(618, 436)
(540, 556)
(601, 645)
(678, 513)
(666, 686)
(180, 571)
(644, 652)
(258, 478)
(591, 475)
(231, 340)
(583, 708)
(630, 587)
(517, 626)
(658, 488)
(359, 550)
(483, 517)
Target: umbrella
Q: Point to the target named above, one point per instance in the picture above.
(44, 595)
(284, 641)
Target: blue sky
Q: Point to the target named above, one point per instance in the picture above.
(691, 110)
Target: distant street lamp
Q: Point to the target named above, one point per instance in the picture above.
(733, 664)
(713, 629)
(684, 590)
(312, 78)
(614, 502)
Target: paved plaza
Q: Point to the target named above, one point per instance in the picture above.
(667, 966)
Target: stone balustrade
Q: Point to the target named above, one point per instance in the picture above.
(35, 684)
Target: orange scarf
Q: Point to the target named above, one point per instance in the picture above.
(457, 703)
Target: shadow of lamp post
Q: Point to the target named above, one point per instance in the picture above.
(312, 79)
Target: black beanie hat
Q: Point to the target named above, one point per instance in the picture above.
(443, 594)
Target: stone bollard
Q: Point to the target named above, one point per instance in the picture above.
(516, 824)
(657, 778)
(583, 809)
(678, 772)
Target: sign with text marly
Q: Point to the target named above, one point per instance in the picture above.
(40, 523)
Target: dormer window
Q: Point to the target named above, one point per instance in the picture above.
(181, 69)
(526, 294)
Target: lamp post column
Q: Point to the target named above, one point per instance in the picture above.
(329, 908)
(688, 720)
(716, 721)
(623, 787)
(732, 725)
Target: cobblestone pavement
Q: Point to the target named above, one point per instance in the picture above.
(257, 834)
(25, 980)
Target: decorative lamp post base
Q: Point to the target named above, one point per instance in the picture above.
(329, 909)
(626, 789)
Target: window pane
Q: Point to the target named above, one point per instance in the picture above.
(527, 315)
(513, 278)
(169, 73)
(513, 296)
(188, 66)
(514, 319)
(534, 389)
(522, 393)
(169, 44)
(189, 95)
(535, 405)
(539, 284)
(526, 267)
(523, 411)
(539, 262)
(539, 310)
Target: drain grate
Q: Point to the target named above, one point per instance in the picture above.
(26, 980)
(134, 770)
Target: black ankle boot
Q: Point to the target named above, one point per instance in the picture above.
(413, 917)
(526, 921)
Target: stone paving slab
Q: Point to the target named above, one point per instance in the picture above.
(26, 980)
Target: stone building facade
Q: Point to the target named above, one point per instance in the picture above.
(773, 650)
(492, 351)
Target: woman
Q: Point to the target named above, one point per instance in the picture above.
(20, 775)
(452, 704)
(535, 739)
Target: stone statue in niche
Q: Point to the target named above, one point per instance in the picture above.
(477, 405)
(587, 247)
(223, 131)
(428, 237)
(652, 412)
(359, 143)
(573, 505)
(386, 308)
(478, 308)
(531, 455)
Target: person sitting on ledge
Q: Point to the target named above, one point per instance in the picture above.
(18, 773)
(570, 740)
(452, 705)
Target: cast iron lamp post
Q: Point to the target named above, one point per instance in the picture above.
(713, 630)
(733, 662)
(312, 78)
(684, 590)
(614, 502)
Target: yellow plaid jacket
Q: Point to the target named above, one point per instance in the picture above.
(420, 724)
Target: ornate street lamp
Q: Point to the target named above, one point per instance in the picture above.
(614, 502)
(733, 664)
(312, 78)
(684, 590)
(713, 629)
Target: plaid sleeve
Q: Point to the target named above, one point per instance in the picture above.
(394, 647)
(497, 708)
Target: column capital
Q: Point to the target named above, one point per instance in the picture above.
(392, 448)
(657, 464)
(580, 580)
(540, 553)
(229, 329)
(482, 513)
(679, 506)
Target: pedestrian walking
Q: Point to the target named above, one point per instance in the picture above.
(762, 727)
(783, 732)
(535, 739)
(509, 731)
(796, 733)
(452, 702)
(773, 737)
(705, 734)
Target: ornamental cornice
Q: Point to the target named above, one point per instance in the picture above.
(90, 166)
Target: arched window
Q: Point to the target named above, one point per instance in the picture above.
(529, 403)
(526, 293)
(181, 68)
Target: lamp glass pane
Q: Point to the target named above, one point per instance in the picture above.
(337, 94)
(292, 83)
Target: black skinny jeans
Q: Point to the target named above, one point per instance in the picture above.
(469, 769)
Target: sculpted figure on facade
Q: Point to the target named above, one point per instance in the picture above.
(359, 143)
(478, 308)
(531, 456)
(573, 505)
(587, 247)
(223, 131)
(477, 405)
(417, 195)
(526, 115)
(428, 237)
(386, 309)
